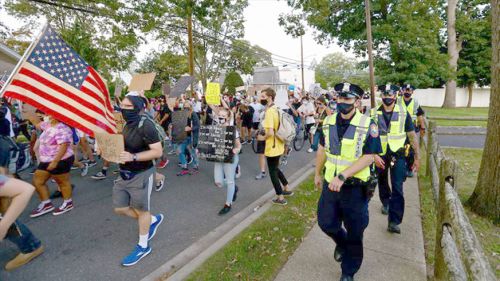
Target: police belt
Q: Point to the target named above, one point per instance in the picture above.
(354, 182)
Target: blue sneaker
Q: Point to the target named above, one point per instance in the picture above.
(137, 254)
(154, 226)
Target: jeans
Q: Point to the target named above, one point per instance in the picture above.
(393, 196)
(275, 174)
(20, 235)
(224, 175)
(316, 138)
(181, 148)
(348, 207)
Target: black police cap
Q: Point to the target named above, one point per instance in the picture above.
(348, 90)
(389, 89)
(408, 87)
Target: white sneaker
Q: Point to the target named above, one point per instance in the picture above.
(85, 170)
(309, 150)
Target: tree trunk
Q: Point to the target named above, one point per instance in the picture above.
(451, 85)
(470, 87)
(485, 200)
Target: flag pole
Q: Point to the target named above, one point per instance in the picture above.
(23, 59)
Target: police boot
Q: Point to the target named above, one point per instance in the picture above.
(393, 228)
(338, 254)
(345, 277)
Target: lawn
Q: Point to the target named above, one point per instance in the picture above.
(261, 250)
(488, 234)
(457, 112)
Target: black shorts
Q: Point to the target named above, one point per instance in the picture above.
(308, 127)
(255, 125)
(261, 147)
(247, 124)
(63, 167)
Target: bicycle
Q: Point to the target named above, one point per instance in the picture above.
(301, 137)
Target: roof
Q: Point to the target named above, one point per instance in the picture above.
(9, 52)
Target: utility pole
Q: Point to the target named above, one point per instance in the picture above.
(190, 48)
(370, 50)
(302, 63)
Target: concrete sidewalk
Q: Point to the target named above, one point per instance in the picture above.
(387, 256)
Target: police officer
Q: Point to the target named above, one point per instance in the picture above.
(395, 125)
(417, 116)
(349, 142)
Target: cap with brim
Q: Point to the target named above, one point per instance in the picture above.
(347, 90)
(388, 89)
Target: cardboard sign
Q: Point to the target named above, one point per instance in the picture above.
(166, 89)
(179, 123)
(118, 91)
(110, 146)
(216, 143)
(120, 122)
(281, 98)
(181, 86)
(213, 93)
(239, 89)
(142, 82)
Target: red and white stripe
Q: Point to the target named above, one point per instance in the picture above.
(88, 109)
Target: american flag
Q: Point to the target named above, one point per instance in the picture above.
(56, 80)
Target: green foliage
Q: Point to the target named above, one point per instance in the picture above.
(167, 66)
(337, 68)
(244, 57)
(232, 81)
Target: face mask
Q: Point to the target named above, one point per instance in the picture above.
(130, 115)
(181, 106)
(388, 101)
(263, 102)
(46, 119)
(407, 95)
(345, 108)
(222, 120)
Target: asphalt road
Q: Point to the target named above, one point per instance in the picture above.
(469, 141)
(89, 242)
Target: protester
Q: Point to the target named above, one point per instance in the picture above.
(322, 111)
(307, 111)
(132, 190)
(190, 143)
(246, 124)
(275, 147)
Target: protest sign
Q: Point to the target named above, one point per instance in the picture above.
(216, 143)
(166, 89)
(110, 145)
(239, 89)
(120, 122)
(213, 93)
(142, 82)
(181, 86)
(281, 99)
(118, 91)
(179, 123)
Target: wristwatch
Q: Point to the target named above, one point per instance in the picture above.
(341, 177)
(134, 157)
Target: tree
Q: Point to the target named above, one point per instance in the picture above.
(18, 40)
(454, 46)
(485, 200)
(474, 62)
(244, 57)
(232, 81)
(337, 68)
(167, 66)
(405, 35)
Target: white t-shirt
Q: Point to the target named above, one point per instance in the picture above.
(307, 109)
(8, 116)
(258, 109)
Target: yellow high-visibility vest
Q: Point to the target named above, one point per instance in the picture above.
(392, 135)
(343, 153)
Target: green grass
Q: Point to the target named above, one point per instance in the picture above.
(457, 112)
(487, 233)
(261, 250)
(461, 123)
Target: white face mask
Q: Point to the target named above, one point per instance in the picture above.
(46, 119)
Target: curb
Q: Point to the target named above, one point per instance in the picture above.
(188, 260)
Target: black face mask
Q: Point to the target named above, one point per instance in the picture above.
(345, 108)
(407, 95)
(263, 102)
(130, 115)
(388, 101)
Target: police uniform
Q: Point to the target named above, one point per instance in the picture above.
(393, 127)
(415, 110)
(345, 141)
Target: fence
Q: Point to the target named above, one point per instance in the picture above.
(458, 253)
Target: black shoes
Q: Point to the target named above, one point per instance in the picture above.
(338, 254)
(393, 228)
(224, 210)
(287, 193)
(384, 210)
(346, 278)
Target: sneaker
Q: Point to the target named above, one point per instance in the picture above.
(83, 160)
(162, 164)
(91, 163)
(22, 259)
(65, 207)
(224, 210)
(310, 150)
(244, 142)
(99, 176)
(154, 226)
(338, 254)
(137, 254)
(85, 170)
(160, 184)
(393, 228)
(171, 152)
(183, 172)
(260, 176)
(189, 159)
(409, 174)
(238, 171)
(236, 189)
(42, 209)
(56, 194)
(277, 201)
(75, 167)
(384, 210)
(288, 193)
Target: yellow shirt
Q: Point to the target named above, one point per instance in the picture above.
(274, 146)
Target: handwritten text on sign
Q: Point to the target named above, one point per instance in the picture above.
(216, 143)
(213, 94)
(110, 146)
